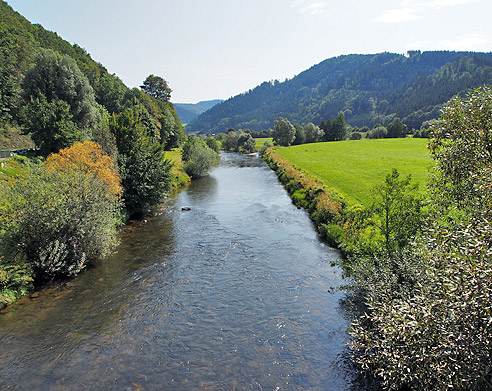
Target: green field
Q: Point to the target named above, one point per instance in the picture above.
(355, 167)
(260, 141)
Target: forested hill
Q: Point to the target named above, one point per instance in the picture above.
(368, 89)
(22, 44)
(189, 111)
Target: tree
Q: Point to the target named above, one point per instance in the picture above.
(198, 157)
(336, 129)
(156, 87)
(396, 129)
(300, 137)
(60, 103)
(313, 133)
(396, 211)
(145, 173)
(284, 132)
(58, 78)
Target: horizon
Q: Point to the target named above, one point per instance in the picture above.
(220, 49)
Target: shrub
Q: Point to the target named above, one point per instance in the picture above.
(198, 158)
(58, 222)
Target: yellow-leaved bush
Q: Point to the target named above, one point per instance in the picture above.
(87, 158)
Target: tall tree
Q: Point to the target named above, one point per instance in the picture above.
(61, 106)
(156, 87)
(284, 132)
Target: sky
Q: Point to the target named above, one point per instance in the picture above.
(216, 49)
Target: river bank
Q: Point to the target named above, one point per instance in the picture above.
(17, 275)
(231, 293)
(328, 208)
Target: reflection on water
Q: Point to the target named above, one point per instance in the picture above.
(230, 295)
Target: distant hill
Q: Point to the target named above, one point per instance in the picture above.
(369, 89)
(189, 111)
(21, 41)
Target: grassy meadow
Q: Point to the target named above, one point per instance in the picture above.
(355, 167)
(260, 141)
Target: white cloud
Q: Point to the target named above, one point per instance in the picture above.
(310, 7)
(472, 41)
(398, 16)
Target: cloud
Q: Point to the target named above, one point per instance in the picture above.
(472, 41)
(310, 7)
(398, 15)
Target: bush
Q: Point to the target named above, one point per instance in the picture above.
(198, 158)
(378, 132)
(57, 222)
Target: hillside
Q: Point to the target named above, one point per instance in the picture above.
(187, 112)
(369, 89)
(21, 42)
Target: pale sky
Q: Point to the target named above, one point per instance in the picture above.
(215, 49)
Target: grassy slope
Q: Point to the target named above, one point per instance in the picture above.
(355, 167)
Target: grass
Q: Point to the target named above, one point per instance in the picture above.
(355, 167)
(177, 170)
(260, 141)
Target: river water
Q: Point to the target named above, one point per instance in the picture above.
(233, 294)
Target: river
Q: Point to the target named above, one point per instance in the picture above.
(233, 294)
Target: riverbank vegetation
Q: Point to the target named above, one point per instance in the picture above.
(99, 157)
(419, 264)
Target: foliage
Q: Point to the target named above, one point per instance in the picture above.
(238, 141)
(428, 316)
(58, 222)
(355, 136)
(15, 280)
(145, 173)
(284, 132)
(61, 105)
(156, 87)
(267, 144)
(378, 131)
(198, 157)
(87, 158)
(334, 130)
(313, 133)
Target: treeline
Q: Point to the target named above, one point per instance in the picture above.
(23, 45)
(285, 134)
(368, 89)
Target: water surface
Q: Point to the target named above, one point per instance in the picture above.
(230, 295)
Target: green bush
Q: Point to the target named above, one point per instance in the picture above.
(57, 222)
(198, 157)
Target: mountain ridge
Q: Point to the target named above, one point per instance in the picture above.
(369, 89)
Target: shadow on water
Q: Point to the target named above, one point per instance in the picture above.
(230, 295)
